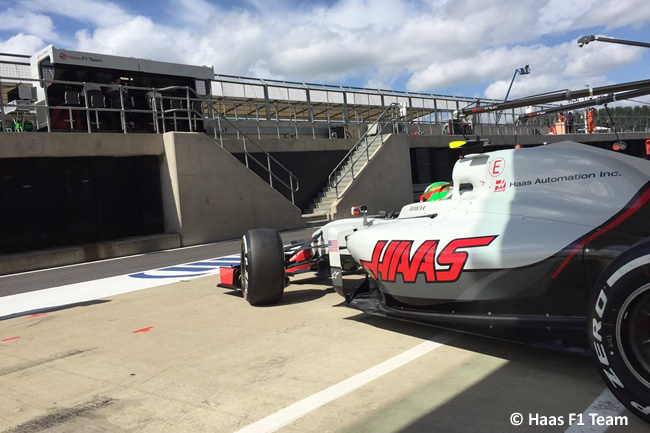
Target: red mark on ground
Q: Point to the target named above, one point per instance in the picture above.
(12, 338)
(143, 330)
(36, 315)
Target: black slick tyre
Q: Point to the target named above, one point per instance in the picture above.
(619, 328)
(262, 267)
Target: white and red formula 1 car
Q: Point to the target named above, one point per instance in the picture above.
(547, 245)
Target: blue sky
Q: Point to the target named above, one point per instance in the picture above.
(452, 47)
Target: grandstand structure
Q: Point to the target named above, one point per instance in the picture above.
(261, 106)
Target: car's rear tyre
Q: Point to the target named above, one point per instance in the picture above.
(262, 267)
(619, 328)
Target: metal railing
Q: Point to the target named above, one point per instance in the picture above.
(388, 118)
(291, 184)
(620, 123)
(92, 102)
(287, 109)
(166, 111)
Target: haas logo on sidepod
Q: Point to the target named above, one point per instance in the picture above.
(392, 258)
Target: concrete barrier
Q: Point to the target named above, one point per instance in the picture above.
(383, 184)
(208, 195)
(40, 144)
(50, 258)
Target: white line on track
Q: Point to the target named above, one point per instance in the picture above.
(303, 407)
(97, 289)
(605, 405)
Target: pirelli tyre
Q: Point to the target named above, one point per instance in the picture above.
(262, 267)
(619, 328)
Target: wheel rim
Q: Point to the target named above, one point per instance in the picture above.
(244, 267)
(633, 333)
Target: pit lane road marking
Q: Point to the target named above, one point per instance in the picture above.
(38, 300)
(303, 407)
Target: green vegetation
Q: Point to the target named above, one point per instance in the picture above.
(636, 118)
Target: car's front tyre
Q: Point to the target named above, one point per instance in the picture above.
(619, 328)
(262, 267)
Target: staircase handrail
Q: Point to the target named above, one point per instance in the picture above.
(333, 182)
(293, 183)
(293, 186)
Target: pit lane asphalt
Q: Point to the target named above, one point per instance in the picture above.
(38, 280)
(191, 357)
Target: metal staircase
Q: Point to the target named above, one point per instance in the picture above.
(266, 166)
(356, 159)
(279, 177)
(193, 108)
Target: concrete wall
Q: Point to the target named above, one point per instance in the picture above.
(40, 144)
(276, 145)
(42, 259)
(288, 129)
(383, 184)
(208, 195)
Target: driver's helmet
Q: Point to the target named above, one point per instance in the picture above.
(436, 191)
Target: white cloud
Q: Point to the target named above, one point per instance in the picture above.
(598, 58)
(359, 14)
(329, 54)
(98, 13)
(136, 37)
(193, 11)
(613, 14)
(557, 16)
(484, 66)
(27, 22)
(21, 44)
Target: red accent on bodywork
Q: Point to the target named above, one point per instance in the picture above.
(301, 256)
(291, 271)
(227, 276)
(628, 213)
(372, 265)
(298, 258)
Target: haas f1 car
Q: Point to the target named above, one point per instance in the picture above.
(548, 246)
